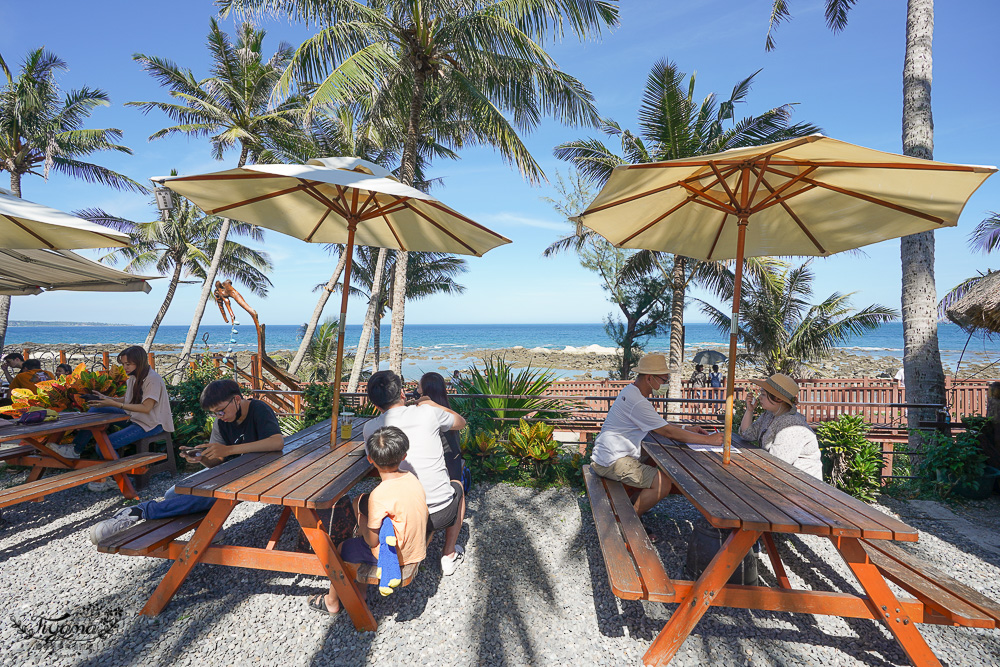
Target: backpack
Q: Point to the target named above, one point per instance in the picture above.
(715, 379)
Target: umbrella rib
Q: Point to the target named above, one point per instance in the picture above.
(40, 239)
(784, 186)
(782, 201)
(875, 200)
(220, 177)
(444, 209)
(718, 234)
(701, 193)
(315, 229)
(392, 230)
(385, 209)
(364, 206)
(655, 221)
(725, 184)
(733, 161)
(254, 200)
(333, 204)
(632, 198)
(756, 185)
(446, 231)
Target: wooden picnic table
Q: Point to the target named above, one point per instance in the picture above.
(757, 495)
(34, 450)
(310, 477)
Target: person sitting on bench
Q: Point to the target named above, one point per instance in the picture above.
(398, 496)
(632, 417)
(782, 430)
(241, 426)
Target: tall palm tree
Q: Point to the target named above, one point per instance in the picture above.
(484, 56)
(231, 108)
(781, 331)
(922, 370)
(672, 125)
(321, 354)
(181, 247)
(40, 131)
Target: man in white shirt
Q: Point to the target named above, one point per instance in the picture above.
(619, 444)
(423, 425)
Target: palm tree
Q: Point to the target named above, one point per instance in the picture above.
(923, 373)
(484, 57)
(40, 132)
(781, 331)
(672, 125)
(231, 108)
(321, 354)
(181, 246)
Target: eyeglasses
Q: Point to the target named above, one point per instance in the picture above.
(222, 412)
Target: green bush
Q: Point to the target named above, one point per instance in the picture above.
(946, 462)
(192, 424)
(854, 463)
(530, 456)
(317, 404)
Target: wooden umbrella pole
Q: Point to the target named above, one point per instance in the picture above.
(733, 330)
(352, 226)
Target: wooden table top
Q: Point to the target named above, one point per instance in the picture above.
(312, 475)
(757, 491)
(69, 421)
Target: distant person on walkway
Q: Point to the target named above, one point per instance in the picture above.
(399, 496)
(899, 376)
(631, 418)
(31, 374)
(63, 370)
(423, 425)
(241, 426)
(782, 431)
(432, 389)
(715, 378)
(145, 402)
(699, 379)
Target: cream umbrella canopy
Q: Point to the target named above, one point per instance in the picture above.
(336, 200)
(24, 272)
(809, 196)
(25, 224)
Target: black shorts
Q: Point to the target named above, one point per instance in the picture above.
(443, 518)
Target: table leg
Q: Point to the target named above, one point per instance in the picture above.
(694, 605)
(779, 568)
(109, 453)
(346, 589)
(884, 603)
(279, 529)
(189, 557)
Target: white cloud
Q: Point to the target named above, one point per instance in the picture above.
(515, 220)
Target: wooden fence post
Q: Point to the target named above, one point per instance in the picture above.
(151, 356)
(106, 358)
(62, 356)
(25, 353)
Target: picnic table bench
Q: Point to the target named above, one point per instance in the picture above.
(37, 454)
(310, 477)
(757, 495)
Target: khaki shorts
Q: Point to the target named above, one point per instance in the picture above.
(628, 471)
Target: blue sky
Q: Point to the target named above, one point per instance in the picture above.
(849, 84)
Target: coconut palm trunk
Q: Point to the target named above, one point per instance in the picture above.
(317, 314)
(206, 289)
(676, 361)
(171, 288)
(366, 328)
(923, 374)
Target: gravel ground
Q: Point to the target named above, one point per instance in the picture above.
(533, 590)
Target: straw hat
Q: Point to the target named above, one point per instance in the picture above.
(781, 387)
(652, 364)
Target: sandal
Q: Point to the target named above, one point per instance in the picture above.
(318, 603)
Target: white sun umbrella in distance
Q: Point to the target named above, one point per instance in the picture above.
(25, 224)
(24, 272)
(336, 200)
(811, 196)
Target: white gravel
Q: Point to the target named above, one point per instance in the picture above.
(533, 590)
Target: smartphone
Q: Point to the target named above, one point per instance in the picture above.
(90, 397)
(192, 452)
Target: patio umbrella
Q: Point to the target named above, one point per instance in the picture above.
(709, 357)
(25, 224)
(808, 196)
(979, 308)
(25, 272)
(336, 200)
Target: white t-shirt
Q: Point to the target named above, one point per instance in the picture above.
(629, 420)
(423, 426)
(155, 388)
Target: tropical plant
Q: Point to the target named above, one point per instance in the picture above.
(181, 246)
(67, 392)
(947, 461)
(231, 107)
(41, 131)
(497, 395)
(781, 332)
(854, 462)
(922, 368)
(672, 125)
(533, 443)
(318, 404)
(193, 424)
(321, 354)
(484, 58)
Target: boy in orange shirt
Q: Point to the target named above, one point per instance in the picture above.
(399, 496)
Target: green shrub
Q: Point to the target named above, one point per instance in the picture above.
(854, 462)
(317, 404)
(946, 462)
(193, 424)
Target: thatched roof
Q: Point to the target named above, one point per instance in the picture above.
(979, 308)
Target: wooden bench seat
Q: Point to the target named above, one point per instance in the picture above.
(148, 536)
(16, 452)
(43, 487)
(944, 595)
(634, 568)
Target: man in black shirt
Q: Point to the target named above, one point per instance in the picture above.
(241, 426)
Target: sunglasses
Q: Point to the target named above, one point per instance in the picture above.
(222, 412)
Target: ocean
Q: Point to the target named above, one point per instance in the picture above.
(887, 340)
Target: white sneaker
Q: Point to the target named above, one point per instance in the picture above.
(122, 520)
(65, 451)
(449, 565)
(106, 484)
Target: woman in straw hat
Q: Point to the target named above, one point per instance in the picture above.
(782, 430)
(631, 418)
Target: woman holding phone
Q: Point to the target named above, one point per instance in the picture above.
(782, 431)
(145, 402)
